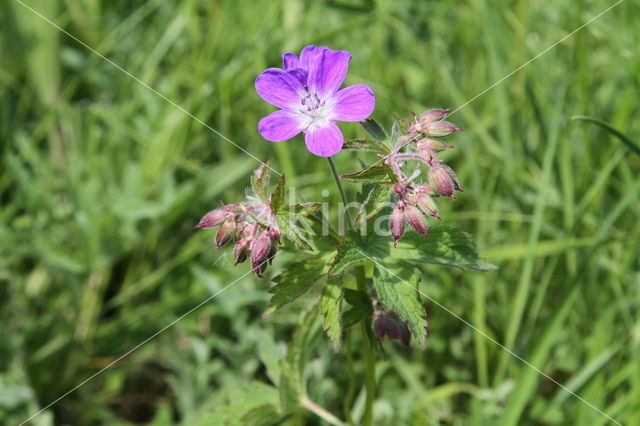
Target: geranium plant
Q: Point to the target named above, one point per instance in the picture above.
(369, 274)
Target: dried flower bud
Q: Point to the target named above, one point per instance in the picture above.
(429, 146)
(396, 222)
(226, 232)
(426, 203)
(390, 325)
(416, 219)
(441, 128)
(241, 250)
(213, 218)
(260, 253)
(443, 181)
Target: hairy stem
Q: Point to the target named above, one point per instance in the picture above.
(321, 412)
(351, 390)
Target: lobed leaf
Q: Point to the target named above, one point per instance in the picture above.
(377, 173)
(260, 180)
(361, 307)
(397, 287)
(367, 145)
(350, 253)
(374, 128)
(330, 309)
(300, 209)
(376, 200)
(292, 232)
(294, 281)
(276, 200)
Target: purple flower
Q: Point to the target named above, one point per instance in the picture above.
(307, 91)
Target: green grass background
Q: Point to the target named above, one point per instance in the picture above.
(101, 182)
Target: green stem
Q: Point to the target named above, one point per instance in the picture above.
(351, 390)
(369, 359)
(342, 195)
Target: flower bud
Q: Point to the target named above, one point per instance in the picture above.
(241, 250)
(396, 222)
(428, 145)
(416, 219)
(391, 326)
(443, 181)
(425, 202)
(441, 128)
(226, 232)
(213, 218)
(433, 115)
(260, 253)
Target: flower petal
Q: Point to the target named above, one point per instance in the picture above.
(353, 103)
(279, 126)
(325, 140)
(300, 74)
(329, 71)
(309, 56)
(279, 88)
(290, 60)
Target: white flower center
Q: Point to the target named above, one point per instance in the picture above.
(314, 111)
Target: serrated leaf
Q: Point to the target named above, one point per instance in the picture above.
(367, 145)
(377, 173)
(352, 252)
(292, 232)
(260, 180)
(397, 289)
(376, 200)
(330, 309)
(294, 281)
(263, 415)
(361, 307)
(277, 196)
(300, 209)
(374, 128)
(445, 246)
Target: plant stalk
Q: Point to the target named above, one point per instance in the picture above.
(368, 355)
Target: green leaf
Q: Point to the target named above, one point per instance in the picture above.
(291, 231)
(263, 415)
(398, 291)
(375, 201)
(367, 145)
(374, 129)
(623, 138)
(352, 252)
(277, 196)
(361, 307)
(260, 180)
(300, 209)
(294, 281)
(444, 246)
(330, 309)
(377, 173)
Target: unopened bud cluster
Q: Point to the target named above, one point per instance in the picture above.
(415, 200)
(251, 227)
(387, 323)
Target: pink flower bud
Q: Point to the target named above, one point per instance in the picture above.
(433, 115)
(441, 128)
(213, 218)
(226, 232)
(443, 181)
(260, 253)
(427, 204)
(428, 145)
(396, 222)
(416, 219)
(241, 250)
